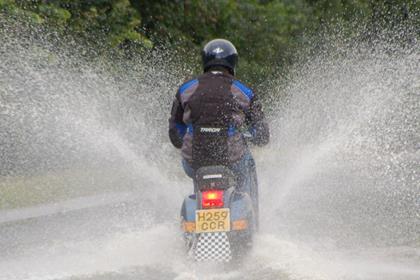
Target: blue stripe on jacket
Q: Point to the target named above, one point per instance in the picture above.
(244, 89)
(187, 85)
(182, 128)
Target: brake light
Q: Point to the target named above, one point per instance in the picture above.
(212, 198)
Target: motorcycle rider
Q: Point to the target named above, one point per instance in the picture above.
(211, 114)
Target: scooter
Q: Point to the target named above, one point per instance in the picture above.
(218, 220)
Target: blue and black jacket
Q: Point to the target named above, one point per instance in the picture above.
(216, 99)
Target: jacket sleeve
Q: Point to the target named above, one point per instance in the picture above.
(177, 128)
(255, 120)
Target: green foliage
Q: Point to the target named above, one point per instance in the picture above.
(116, 20)
(263, 31)
(267, 33)
(10, 8)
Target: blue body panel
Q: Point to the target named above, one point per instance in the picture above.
(241, 208)
(189, 207)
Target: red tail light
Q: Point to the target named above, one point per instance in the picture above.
(212, 198)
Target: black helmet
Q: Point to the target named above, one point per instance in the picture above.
(220, 52)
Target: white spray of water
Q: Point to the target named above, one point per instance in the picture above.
(339, 181)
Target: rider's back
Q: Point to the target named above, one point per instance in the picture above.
(209, 114)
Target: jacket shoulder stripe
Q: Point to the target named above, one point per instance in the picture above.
(244, 89)
(187, 85)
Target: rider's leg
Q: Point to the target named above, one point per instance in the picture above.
(188, 169)
(254, 188)
(245, 171)
(240, 169)
(190, 172)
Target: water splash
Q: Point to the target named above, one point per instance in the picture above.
(348, 136)
(342, 175)
(339, 183)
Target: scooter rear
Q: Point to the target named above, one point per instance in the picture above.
(218, 220)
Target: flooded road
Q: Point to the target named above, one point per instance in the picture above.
(90, 187)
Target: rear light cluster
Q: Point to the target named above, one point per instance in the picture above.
(212, 198)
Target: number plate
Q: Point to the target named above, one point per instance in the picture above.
(212, 220)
